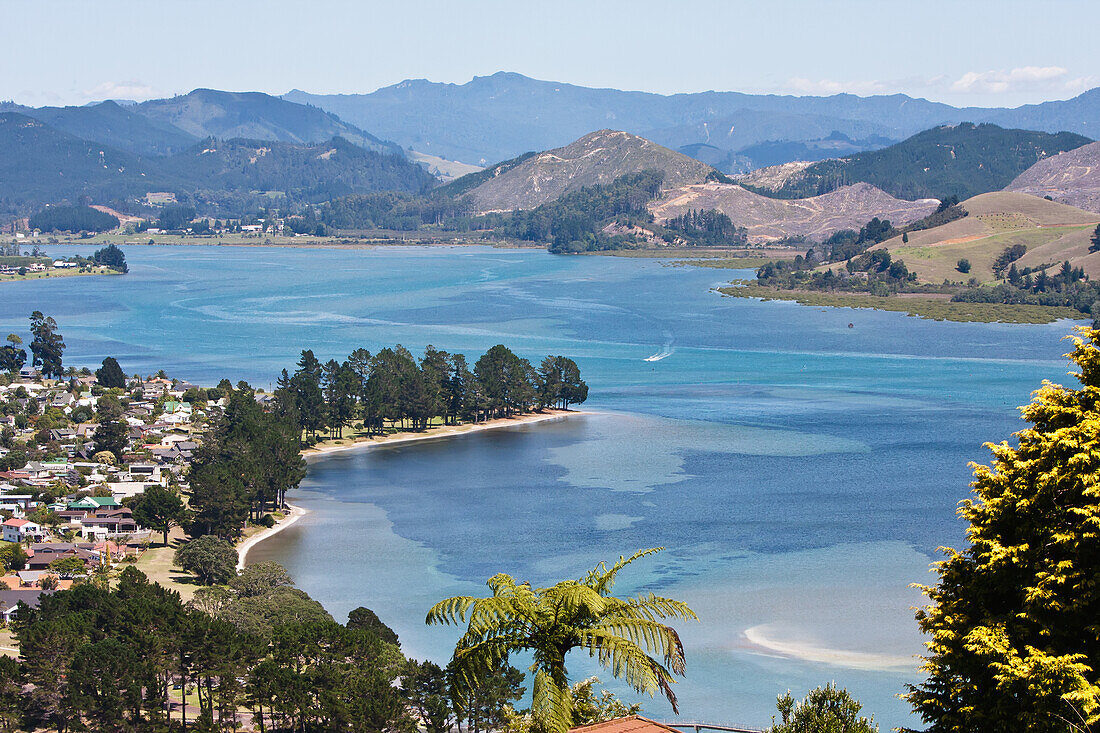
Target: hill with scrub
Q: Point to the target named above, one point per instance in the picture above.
(597, 158)
(1072, 177)
(814, 218)
(1050, 233)
(962, 160)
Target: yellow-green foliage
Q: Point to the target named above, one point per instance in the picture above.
(1015, 618)
(622, 633)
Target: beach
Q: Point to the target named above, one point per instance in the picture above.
(444, 431)
(291, 517)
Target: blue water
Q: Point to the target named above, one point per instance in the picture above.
(800, 472)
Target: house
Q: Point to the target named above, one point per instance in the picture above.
(631, 724)
(42, 554)
(10, 600)
(109, 522)
(94, 503)
(17, 530)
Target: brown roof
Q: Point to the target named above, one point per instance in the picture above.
(631, 724)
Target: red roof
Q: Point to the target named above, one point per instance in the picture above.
(631, 724)
(15, 522)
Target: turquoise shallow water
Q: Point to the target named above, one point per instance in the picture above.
(801, 473)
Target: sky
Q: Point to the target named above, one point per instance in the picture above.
(963, 52)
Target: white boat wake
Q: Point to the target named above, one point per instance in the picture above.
(665, 352)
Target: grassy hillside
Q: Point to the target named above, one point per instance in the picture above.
(962, 160)
(1051, 232)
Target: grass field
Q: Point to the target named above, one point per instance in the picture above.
(936, 263)
(934, 307)
(156, 563)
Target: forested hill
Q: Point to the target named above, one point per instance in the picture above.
(958, 160)
(109, 123)
(166, 126)
(41, 165)
(257, 116)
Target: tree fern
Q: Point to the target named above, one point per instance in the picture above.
(624, 634)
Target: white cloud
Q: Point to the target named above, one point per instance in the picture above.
(828, 86)
(1015, 80)
(120, 90)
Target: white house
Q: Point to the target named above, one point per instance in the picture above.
(17, 530)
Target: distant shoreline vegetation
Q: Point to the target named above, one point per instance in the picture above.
(36, 263)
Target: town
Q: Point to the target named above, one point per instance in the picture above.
(70, 485)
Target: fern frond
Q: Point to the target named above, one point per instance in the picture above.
(601, 578)
(551, 704)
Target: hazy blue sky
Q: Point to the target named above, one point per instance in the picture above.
(982, 52)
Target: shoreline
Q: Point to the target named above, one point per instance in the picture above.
(295, 514)
(442, 432)
(445, 431)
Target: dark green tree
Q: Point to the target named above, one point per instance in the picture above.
(367, 620)
(161, 509)
(111, 257)
(110, 375)
(12, 356)
(309, 398)
(112, 433)
(212, 560)
(424, 685)
(47, 346)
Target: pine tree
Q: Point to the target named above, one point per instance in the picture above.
(1015, 643)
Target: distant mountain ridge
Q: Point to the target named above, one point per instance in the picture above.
(112, 124)
(497, 117)
(257, 116)
(167, 126)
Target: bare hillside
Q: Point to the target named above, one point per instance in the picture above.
(599, 157)
(849, 207)
(774, 177)
(1072, 177)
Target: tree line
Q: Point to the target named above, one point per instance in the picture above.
(121, 659)
(391, 387)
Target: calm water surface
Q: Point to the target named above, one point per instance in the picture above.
(801, 472)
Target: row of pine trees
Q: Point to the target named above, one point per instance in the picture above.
(393, 387)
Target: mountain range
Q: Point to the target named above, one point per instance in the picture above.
(497, 117)
(166, 126)
(40, 164)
